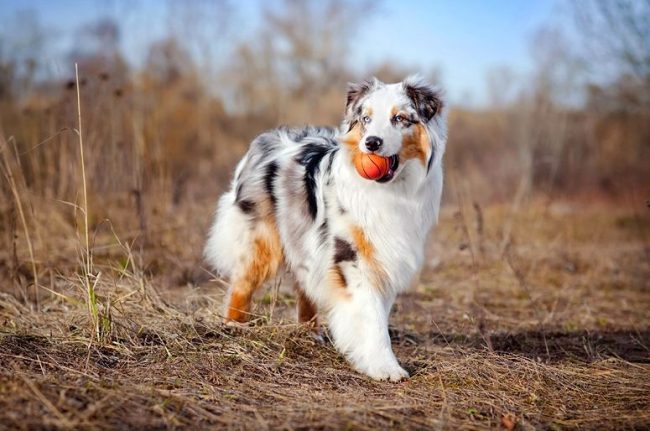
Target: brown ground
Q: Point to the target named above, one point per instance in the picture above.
(534, 319)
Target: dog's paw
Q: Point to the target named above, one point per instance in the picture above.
(318, 337)
(392, 372)
(234, 327)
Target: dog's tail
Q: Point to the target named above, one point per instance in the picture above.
(229, 237)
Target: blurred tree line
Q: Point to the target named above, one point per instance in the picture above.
(174, 126)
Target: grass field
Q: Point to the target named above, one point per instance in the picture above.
(121, 123)
(534, 318)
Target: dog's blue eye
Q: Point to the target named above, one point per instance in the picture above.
(398, 118)
(366, 119)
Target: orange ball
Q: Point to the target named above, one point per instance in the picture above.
(372, 166)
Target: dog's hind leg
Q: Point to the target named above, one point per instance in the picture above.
(307, 312)
(306, 308)
(260, 265)
(245, 248)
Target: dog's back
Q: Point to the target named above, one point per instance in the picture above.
(276, 180)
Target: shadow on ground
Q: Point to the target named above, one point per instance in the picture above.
(551, 347)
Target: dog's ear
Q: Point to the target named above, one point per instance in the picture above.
(355, 93)
(426, 99)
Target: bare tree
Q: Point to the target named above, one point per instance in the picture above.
(616, 34)
(23, 41)
(300, 53)
(616, 31)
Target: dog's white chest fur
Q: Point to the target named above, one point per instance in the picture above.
(396, 222)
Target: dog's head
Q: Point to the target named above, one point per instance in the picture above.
(403, 121)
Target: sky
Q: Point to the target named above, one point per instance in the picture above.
(465, 38)
(462, 39)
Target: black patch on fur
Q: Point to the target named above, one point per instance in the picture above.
(406, 122)
(310, 157)
(269, 181)
(343, 251)
(323, 229)
(433, 153)
(247, 206)
(352, 124)
(426, 100)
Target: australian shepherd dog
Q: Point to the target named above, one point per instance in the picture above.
(351, 244)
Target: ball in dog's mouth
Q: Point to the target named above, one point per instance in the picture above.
(394, 164)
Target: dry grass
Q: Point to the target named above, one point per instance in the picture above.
(551, 331)
(528, 315)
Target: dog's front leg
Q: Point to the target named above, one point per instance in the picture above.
(359, 325)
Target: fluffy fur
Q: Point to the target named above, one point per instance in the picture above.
(351, 244)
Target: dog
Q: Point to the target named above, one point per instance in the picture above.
(297, 203)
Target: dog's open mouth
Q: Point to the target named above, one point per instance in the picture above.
(394, 164)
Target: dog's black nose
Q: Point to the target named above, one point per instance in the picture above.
(373, 143)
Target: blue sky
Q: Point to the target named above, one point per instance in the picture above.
(463, 39)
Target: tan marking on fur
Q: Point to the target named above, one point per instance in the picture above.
(338, 282)
(238, 306)
(307, 312)
(364, 246)
(337, 277)
(351, 141)
(366, 250)
(352, 138)
(266, 257)
(415, 145)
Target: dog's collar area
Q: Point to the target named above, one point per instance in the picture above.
(394, 164)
